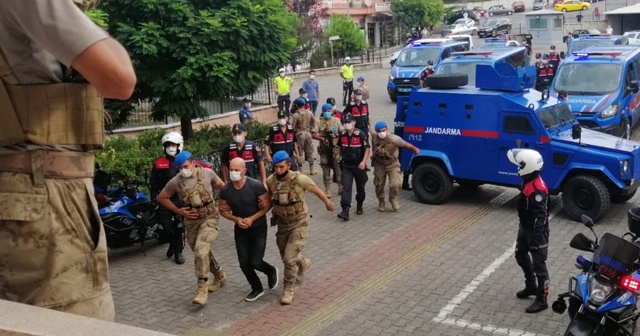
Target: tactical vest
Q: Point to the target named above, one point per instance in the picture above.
(303, 121)
(328, 129)
(279, 140)
(352, 147)
(198, 198)
(247, 155)
(49, 114)
(287, 204)
(384, 151)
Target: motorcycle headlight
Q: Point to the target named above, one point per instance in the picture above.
(610, 111)
(598, 292)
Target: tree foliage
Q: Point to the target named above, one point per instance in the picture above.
(414, 13)
(308, 29)
(352, 42)
(188, 51)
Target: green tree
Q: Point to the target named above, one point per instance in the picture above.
(189, 51)
(308, 27)
(414, 13)
(351, 42)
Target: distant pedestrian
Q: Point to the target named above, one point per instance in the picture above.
(313, 91)
(282, 86)
(363, 87)
(579, 18)
(245, 111)
(465, 15)
(609, 30)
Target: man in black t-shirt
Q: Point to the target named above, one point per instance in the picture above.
(245, 201)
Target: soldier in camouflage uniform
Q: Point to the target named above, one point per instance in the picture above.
(385, 163)
(327, 130)
(302, 121)
(194, 186)
(290, 210)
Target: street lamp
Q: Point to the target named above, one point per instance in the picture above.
(331, 39)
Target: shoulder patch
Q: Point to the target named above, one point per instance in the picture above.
(538, 198)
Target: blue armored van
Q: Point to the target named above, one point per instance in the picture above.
(464, 132)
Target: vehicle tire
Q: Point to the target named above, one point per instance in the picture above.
(626, 128)
(447, 81)
(584, 8)
(585, 195)
(508, 13)
(474, 32)
(618, 198)
(564, 10)
(490, 14)
(394, 98)
(431, 183)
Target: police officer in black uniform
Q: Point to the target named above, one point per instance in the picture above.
(533, 233)
(282, 137)
(528, 38)
(245, 149)
(355, 151)
(164, 169)
(359, 110)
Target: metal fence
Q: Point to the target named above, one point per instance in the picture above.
(141, 115)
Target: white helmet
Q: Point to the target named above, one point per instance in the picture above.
(173, 137)
(527, 160)
(347, 59)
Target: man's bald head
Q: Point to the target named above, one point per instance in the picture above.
(237, 164)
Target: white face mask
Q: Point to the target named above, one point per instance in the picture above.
(359, 97)
(382, 135)
(348, 127)
(171, 151)
(238, 138)
(247, 105)
(312, 76)
(186, 172)
(282, 122)
(235, 176)
(282, 74)
(304, 95)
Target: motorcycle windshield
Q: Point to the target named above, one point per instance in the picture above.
(614, 257)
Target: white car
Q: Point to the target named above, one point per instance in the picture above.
(633, 36)
(467, 22)
(457, 29)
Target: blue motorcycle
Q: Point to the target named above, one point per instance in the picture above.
(602, 299)
(127, 214)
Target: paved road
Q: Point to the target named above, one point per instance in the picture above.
(425, 270)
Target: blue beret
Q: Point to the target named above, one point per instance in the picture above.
(279, 157)
(327, 107)
(183, 157)
(380, 125)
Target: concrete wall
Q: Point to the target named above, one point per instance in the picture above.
(599, 25)
(23, 320)
(545, 36)
(623, 23)
(263, 114)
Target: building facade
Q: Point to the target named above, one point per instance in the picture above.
(372, 16)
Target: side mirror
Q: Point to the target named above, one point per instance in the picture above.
(633, 86)
(392, 62)
(582, 243)
(562, 54)
(587, 221)
(576, 133)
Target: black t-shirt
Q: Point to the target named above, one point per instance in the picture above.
(244, 202)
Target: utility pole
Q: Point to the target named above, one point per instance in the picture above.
(331, 39)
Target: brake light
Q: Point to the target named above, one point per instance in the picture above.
(630, 283)
(100, 197)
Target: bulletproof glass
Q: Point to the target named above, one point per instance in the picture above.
(614, 258)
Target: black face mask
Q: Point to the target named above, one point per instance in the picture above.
(283, 175)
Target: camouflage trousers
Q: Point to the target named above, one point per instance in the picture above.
(201, 233)
(380, 174)
(329, 162)
(53, 250)
(291, 239)
(306, 145)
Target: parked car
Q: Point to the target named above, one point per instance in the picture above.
(457, 29)
(572, 5)
(539, 4)
(500, 10)
(518, 6)
(493, 27)
(634, 37)
(459, 14)
(578, 32)
(480, 11)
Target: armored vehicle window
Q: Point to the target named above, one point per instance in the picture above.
(564, 113)
(517, 124)
(548, 118)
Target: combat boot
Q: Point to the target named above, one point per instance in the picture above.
(170, 251)
(405, 182)
(540, 303)
(344, 214)
(312, 170)
(303, 266)
(394, 203)
(219, 278)
(287, 294)
(201, 297)
(529, 290)
(179, 258)
(359, 210)
(381, 205)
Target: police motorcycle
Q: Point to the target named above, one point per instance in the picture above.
(128, 216)
(602, 298)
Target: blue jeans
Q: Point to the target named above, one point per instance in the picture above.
(314, 106)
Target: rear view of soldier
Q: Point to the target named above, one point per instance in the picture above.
(164, 169)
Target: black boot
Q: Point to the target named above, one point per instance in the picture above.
(359, 209)
(179, 258)
(170, 251)
(344, 214)
(528, 291)
(537, 306)
(405, 182)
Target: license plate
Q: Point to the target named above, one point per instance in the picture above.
(404, 89)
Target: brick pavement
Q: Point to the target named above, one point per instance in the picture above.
(378, 274)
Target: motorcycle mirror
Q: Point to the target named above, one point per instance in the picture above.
(582, 243)
(587, 221)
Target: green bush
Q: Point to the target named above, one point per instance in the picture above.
(134, 157)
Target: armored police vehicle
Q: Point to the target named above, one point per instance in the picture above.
(602, 84)
(405, 73)
(464, 132)
(465, 62)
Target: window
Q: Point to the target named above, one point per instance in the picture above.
(538, 23)
(517, 60)
(446, 53)
(629, 76)
(459, 48)
(557, 23)
(517, 124)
